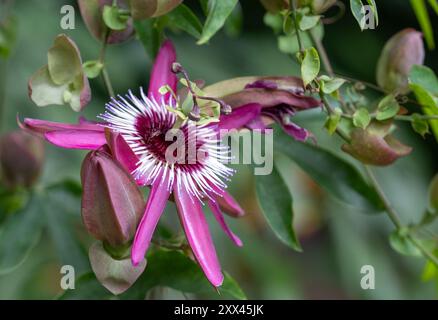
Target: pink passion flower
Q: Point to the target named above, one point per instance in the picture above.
(138, 126)
(134, 128)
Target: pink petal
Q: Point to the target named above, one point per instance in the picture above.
(240, 116)
(40, 127)
(124, 154)
(162, 71)
(198, 235)
(74, 139)
(154, 208)
(220, 219)
(229, 205)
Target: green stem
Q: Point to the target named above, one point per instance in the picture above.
(399, 117)
(105, 75)
(323, 54)
(420, 116)
(330, 111)
(392, 214)
(297, 28)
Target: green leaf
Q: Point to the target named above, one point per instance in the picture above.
(117, 275)
(361, 118)
(420, 9)
(388, 108)
(306, 22)
(334, 174)
(424, 77)
(182, 17)
(424, 83)
(92, 68)
(276, 203)
(373, 5)
(419, 125)
(310, 66)
(114, 19)
(401, 243)
(356, 9)
(288, 44)
(331, 85)
(64, 61)
(234, 23)
(218, 12)
(150, 34)
(20, 233)
(175, 270)
(434, 5)
(62, 211)
(332, 121)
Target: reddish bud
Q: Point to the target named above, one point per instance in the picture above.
(400, 53)
(112, 204)
(21, 159)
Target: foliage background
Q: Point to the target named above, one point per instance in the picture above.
(336, 239)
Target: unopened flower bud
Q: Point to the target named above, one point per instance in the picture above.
(112, 204)
(400, 53)
(21, 159)
(375, 145)
(177, 67)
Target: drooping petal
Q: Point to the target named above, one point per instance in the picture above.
(240, 117)
(229, 205)
(74, 139)
(220, 219)
(37, 126)
(198, 235)
(162, 71)
(270, 98)
(295, 131)
(84, 135)
(155, 205)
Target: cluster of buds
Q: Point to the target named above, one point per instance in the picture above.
(193, 103)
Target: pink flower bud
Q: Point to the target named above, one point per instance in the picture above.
(400, 53)
(112, 204)
(21, 159)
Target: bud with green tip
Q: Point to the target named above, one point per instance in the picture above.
(400, 53)
(112, 203)
(21, 159)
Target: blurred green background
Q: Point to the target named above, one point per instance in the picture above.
(337, 240)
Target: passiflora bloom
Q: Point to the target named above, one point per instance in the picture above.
(135, 130)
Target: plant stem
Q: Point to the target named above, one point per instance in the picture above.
(297, 29)
(392, 214)
(329, 110)
(421, 117)
(399, 117)
(323, 54)
(105, 75)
